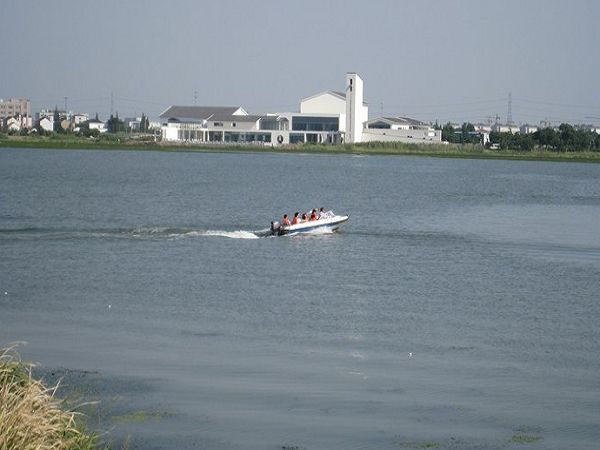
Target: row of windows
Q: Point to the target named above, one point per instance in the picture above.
(315, 123)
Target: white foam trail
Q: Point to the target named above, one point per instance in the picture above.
(314, 232)
(240, 234)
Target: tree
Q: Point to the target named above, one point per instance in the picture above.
(114, 124)
(467, 129)
(547, 138)
(567, 137)
(583, 140)
(448, 133)
(56, 121)
(526, 142)
(144, 124)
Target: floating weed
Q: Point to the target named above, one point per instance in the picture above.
(526, 435)
(418, 445)
(525, 438)
(141, 416)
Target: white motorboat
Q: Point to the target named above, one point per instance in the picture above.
(328, 221)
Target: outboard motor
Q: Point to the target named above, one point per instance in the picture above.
(275, 226)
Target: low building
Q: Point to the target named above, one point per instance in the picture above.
(327, 117)
(96, 124)
(400, 129)
(528, 129)
(46, 124)
(12, 124)
(514, 129)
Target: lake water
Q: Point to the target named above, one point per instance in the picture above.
(457, 309)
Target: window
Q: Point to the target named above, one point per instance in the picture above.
(218, 124)
(300, 123)
(296, 138)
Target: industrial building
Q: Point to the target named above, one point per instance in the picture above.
(330, 117)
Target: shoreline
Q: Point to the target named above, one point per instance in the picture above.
(379, 149)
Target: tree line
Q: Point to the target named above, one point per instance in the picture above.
(566, 138)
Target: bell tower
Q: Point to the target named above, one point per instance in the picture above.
(355, 110)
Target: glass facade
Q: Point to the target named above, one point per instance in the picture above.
(380, 125)
(296, 138)
(235, 137)
(301, 123)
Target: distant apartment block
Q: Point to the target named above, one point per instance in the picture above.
(15, 107)
(15, 114)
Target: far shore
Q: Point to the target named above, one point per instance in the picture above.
(467, 151)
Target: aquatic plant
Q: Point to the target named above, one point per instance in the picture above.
(521, 437)
(31, 417)
(418, 445)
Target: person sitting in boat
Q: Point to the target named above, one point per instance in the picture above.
(304, 218)
(313, 215)
(285, 221)
(296, 219)
(325, 214)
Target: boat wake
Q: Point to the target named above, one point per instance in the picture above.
(150, 233)
(314, 232)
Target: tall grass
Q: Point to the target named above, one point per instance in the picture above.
(31, 417)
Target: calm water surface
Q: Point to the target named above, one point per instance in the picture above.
(457, 309)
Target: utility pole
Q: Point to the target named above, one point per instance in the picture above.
(509, 114)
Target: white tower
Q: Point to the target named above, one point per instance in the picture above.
(356, 113)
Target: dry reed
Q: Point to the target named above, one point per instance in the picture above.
(31, 418)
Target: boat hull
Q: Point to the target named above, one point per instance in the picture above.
(330, 223)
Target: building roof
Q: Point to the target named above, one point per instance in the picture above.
(399, 121)
(208, 113)
(337, 94)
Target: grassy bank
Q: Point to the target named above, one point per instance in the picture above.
(124, 142)
(31, 417)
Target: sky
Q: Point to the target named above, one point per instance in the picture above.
(433, 60)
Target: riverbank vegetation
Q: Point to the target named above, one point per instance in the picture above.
(31, 417)
(566, 138)
(548, 146)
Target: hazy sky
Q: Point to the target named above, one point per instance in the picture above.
(432, 60)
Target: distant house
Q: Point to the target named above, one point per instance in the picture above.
(16, 122)
(514, 129)
(132, 123)
(528, 129)
(12, 124)
(46, 123)
(96, 124)
(79, 118)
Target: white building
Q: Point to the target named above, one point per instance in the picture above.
(528, 129)
(327, 117)
(514, 129)
(46, 124)
(96, 124)
(400, 129)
